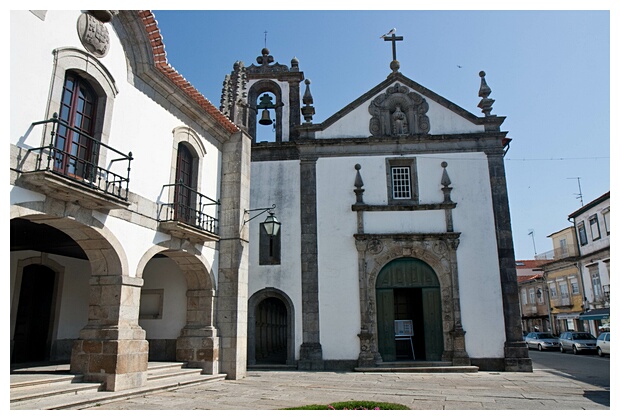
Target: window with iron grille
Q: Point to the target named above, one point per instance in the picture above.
(402, 181)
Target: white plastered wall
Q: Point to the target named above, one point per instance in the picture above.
(277, 183)
(480, 290)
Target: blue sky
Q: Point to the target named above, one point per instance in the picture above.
(549, 72)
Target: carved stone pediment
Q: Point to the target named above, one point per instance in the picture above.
(398, 112)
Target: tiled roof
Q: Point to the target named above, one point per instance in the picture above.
(530, 263)
(161, 63)
(521, 279)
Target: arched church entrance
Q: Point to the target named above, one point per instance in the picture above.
(33, 323)
(409, 324)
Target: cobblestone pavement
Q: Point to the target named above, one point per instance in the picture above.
(540, 390)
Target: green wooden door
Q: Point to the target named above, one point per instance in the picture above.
(385, 324)
(433, 332)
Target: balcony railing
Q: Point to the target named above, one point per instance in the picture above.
(559, 253)
(82, 169)
(189, 207)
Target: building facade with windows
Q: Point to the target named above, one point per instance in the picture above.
(564, 282)
(533, 296)
(591, 223)
(386, 209)
(127, 196)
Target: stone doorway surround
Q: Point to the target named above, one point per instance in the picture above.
(439, 252)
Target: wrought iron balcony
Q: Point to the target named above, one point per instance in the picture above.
(190, 215)
(75, 175)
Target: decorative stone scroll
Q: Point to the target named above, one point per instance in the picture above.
(398, 112)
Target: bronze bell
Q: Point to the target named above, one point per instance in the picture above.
(265, 118)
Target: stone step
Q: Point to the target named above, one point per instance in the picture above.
(419, 368)
(67, 395)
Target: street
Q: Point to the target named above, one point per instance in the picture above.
(588, 368)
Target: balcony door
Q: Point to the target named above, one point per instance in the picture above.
(76, 152)
(185, 195)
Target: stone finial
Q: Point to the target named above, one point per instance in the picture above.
(265, 58)
(484, 92)
(234, 95)
(359, 191)
(295, 63)
(307, 110)
(445, 181)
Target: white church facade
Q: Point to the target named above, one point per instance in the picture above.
(393, 212)
(131, 194)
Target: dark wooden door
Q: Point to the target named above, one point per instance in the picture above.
(185, 197)
(271, 332)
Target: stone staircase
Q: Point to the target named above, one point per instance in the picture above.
(55, 388)
(418, 367)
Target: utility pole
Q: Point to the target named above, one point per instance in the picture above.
(531, 232)
(579, 196)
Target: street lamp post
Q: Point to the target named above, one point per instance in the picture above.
(539, 294)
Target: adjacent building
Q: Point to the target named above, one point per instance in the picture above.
(533, 296)
(591, 222)
(578, 277)
(127, 196)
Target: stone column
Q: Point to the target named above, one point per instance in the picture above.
(198, 344)
(515, 352)
(311, 352)
(232, 288)
(112, 348)
(459, 354)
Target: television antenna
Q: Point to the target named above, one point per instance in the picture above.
(531, 232)
(579, 196)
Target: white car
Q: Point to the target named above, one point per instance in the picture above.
(602, 344)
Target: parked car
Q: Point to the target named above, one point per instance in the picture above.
(602, 344)
(542, 341)
(577, 342)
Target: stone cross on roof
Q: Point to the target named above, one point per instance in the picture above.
(394, 65)
(393, 40)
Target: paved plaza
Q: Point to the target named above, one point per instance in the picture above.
(540, 390)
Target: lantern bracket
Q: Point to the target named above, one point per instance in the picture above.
(262, 210)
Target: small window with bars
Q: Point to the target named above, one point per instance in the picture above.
(401, 183)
